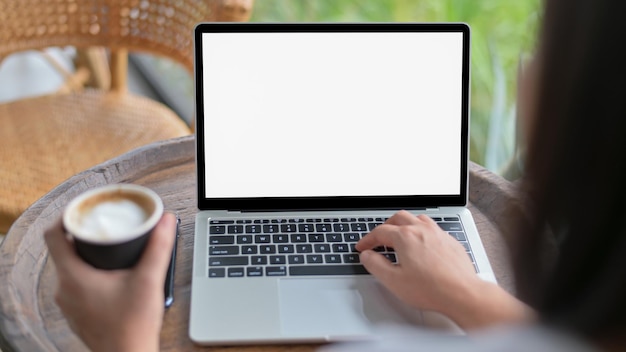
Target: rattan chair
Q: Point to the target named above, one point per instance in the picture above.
(46, 139)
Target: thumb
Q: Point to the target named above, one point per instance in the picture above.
(380, 267)
(63, 253)
(158, 252)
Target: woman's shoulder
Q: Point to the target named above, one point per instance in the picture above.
(505, 338)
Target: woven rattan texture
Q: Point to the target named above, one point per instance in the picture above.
(48, 139)
(156, 26)
(90, 128)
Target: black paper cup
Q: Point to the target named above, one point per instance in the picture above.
(118, 248)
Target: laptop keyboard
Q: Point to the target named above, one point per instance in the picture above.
(299, 247)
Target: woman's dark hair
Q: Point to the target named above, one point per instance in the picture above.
(576, 171)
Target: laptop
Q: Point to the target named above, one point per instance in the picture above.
(308, 136)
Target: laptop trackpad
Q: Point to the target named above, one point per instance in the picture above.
(339, 307)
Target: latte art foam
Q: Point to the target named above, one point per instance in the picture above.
(112, 220)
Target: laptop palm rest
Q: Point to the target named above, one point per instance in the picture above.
(339, 308)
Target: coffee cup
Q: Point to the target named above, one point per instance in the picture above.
(111, 225)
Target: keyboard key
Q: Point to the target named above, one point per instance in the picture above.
(471, 256)
(223, 250)
(235, 228)
(340, 247)
(254, 271)
(288, 228)
(244, 221)
(278, 259)
(451, 219)
(351, 258)
(276, 271)
(244, 239)
(226, 261)
(278, 221)
(331, 220)
(323, 227)
(298, 237)
(221, 239)
(314, 220)
(304, 248)
(249, 250)
(306, 228)
(221, 222)
(436, 219)
(235, 272)
(285, 248)
(267, 249)
(258, 260)
(280, 238)
(316, 237)
(379, 249)
(353, 247)
(270, 228)
(359, 226)
(217, 229)
(253, 229)
(466, 245)
(372, 225)
(296, 259)
(321, 248)
(341, 227)
(450, 226)
(333, 237)
(351, 237)
(262, 221)
(261, 238)
(327, 270)
(460, 236)
(332, 258)
(296, 220)
(348, 219)
(217, 272)
(314, 258)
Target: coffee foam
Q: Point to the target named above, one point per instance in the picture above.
(112, 219)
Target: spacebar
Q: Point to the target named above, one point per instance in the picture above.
(327, 270)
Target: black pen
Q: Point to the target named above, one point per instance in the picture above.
(169, 279)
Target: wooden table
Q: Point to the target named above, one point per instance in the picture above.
(31, 321)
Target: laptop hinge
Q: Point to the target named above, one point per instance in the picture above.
(427, 209)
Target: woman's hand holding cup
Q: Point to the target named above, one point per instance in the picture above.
(127, 302)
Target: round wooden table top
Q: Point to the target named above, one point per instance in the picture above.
(31, 321)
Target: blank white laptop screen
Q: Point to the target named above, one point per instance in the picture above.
(332, 114)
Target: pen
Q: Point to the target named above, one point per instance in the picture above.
(169, 279)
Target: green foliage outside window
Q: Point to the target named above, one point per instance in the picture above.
(502, 31)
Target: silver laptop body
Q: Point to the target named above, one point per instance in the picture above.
(308, 136)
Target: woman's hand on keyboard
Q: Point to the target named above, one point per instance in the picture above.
(435, 273)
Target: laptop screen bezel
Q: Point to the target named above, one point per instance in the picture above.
(328, 203)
